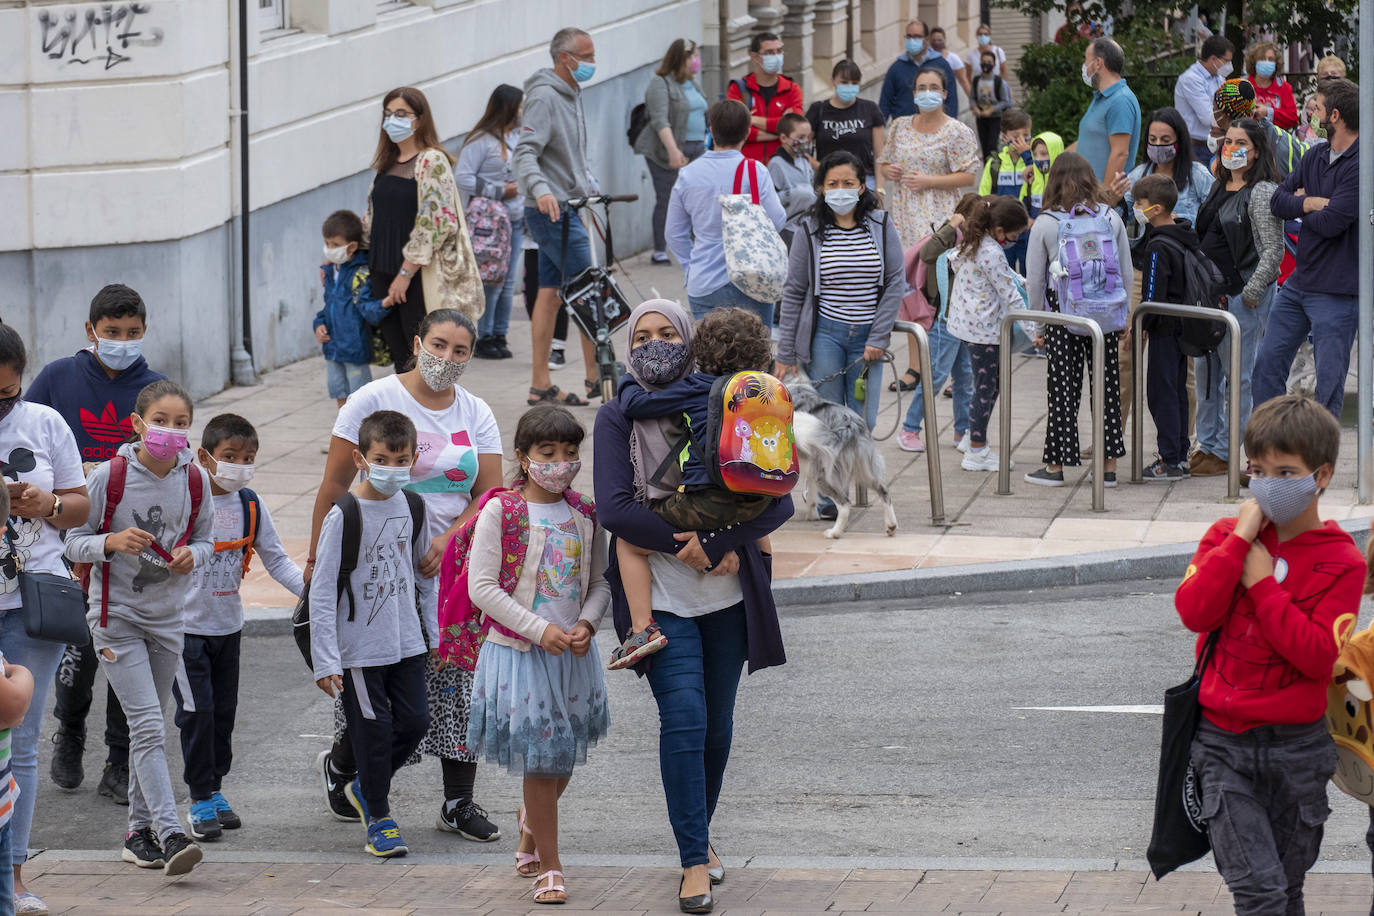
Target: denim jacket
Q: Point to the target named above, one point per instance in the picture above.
(349, 307)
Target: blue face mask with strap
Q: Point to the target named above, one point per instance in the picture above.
(846, 92)
(388, 481)
(915, 46)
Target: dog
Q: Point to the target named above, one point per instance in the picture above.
(837, 452)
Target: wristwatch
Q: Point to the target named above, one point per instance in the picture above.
(56, 506)
(405, 273)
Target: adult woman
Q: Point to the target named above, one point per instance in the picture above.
(676, 132)
(845, 282)
(47, 491)
(974, 55)
(1273, 94)
(1167, 152)
(1073, 184)
(459, 454)
(1330, 67)
(930, 157)
(712, 599)
(1245, 241)
(484, 170)
(847, 122)
(414, 225)
(989, 96)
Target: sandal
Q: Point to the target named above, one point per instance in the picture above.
(526, 863)
(552, 888)
(905, 385)
(593, 389)
(637, 646)
(551, 394)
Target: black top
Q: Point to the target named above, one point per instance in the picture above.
(395, 203)
(849, 129)
(1223, 226)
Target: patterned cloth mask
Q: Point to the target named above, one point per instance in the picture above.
(1283, 499)
(8, 404)
(554, 476)
(439, 374)
(658, 362)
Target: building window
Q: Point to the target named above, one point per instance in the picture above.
(271, 14)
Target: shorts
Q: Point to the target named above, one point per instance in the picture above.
(548, 235)
(709, 509)
(346, 378)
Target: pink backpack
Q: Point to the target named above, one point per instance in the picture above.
(490, 231)
(915, 306)
(462, 627)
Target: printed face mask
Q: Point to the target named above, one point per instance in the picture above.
(336, 255)
(842, 200)
(439, 374)
(846, 92)
(8, 404)
(164, 443)
(658, 362)
(1236, 159)
(231, 477)
(1265, 68)
(928, 100)
(1283, 499)
(387, 481)
(1161, 153)
(118, 354)
(398, 128)
(1087, 77)
(554, 476)
(1043, 165)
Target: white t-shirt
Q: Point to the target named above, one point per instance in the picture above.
(974, 58)
(36, 447)
(558, 591)
(448, 443)
(956, 63)
(681, 590)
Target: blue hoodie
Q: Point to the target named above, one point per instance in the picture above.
(349, 307)
(95, 407)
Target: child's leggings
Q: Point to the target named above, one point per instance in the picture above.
(141, 672)
(987, 374)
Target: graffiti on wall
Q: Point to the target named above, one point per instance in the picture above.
(101, 33)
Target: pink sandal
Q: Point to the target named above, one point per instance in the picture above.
(523, 860)
(551, 888)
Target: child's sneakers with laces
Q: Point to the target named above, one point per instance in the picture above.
(141, 848)
(637, 646)
(910, 442)
(227, 818)
(181, 855)
(204, 821)
(982, 459)
(384, 839)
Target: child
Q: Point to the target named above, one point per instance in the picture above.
(538, 698)
(1159, 258)
(95, 391)
(1280, 590)
(793, 169)
(207, 691)
(990, 99)
(1045, 148)
(373, 631)
(344, 325)
(139, 585)
(1004, 174)
(726, 341)
(16, 692)
(984, 290)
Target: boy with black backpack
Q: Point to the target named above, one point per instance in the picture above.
(207, 689)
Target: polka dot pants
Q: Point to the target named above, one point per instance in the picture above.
(1067, 353)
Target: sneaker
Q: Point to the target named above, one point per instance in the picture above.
(910, 442)
(355, 798)
(467, 819)
(1045, 478)
(637, 646)
(486, 349)
(659, 257)
(68, 747)
(114, 782)
(984, 459)
(203, 820)
(502, 348)
(1108, 479)
(227, 818)
(1162, 470)
(335, 797)
(141, 848)
(557, 360)
(384, 839)
(181, 854)
(961, 444)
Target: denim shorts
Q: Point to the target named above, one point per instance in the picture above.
(548, 235)
(346, 378)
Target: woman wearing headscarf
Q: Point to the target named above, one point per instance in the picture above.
(712, 598)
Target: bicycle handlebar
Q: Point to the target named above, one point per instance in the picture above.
(577, 203)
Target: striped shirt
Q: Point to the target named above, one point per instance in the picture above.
(9, 789)
(851, 275)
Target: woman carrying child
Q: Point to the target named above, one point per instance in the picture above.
(538, 699)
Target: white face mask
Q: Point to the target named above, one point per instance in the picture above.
(232, 477)
(1225, 70)
(336, 255)
(1213, 142)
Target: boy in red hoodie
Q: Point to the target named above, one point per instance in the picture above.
(1282, 587)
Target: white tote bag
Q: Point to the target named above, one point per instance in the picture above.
(755, 257)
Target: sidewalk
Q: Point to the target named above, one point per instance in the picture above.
(293, 416)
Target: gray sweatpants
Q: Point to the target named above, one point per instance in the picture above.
(1264, 803)
(142, 670)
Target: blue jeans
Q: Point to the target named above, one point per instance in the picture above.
(694, 679)
(41, 658)
(834, 347)
(948, 354)
(727, 296)
(7, 874)
(342, 379)
(495, 320)
(1212, 371)
(1331, 321)
(548, 235)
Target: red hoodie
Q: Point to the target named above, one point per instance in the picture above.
(1279, 641)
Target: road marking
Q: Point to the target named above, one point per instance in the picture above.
(1137, 710)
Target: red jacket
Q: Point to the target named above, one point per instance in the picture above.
(788, 97)
(1279, 96)
(1278, 642)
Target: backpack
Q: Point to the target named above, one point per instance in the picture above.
(639, 119)
(915, 306)
(490, 231)
(745, 95)
(462, 627)
(755, 257)
(1203, 284)
(1086, 273)
(348, 561)
(381, 353)
(252, 511)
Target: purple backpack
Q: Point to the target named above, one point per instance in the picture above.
(489, 229)
(1086, 273)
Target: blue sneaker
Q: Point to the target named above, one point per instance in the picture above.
(354, 793)
(384, 839)
(204, 821)
(227, 818)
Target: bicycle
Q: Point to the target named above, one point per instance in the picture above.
(592, 297)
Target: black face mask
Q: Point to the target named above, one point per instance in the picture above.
(987, 67)
(8, 404)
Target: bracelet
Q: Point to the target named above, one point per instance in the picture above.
(310, 561)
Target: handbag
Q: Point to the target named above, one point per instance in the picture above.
(1179, 836)
(755, 257)
(54, 606)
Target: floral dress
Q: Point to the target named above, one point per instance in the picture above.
(952, 148)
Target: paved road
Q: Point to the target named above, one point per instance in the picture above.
(894, 731)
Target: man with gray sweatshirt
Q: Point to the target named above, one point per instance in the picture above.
(551, 166)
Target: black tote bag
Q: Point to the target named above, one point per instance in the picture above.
(1179, 836)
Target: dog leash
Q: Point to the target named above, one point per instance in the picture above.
(888, 358)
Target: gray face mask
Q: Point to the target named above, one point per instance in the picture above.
(1283, 499)
(439, 374)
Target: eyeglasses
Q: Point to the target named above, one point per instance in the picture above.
(398, 112)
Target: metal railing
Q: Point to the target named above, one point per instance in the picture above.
(1233, 385)
(1004, 396)
(921, 341)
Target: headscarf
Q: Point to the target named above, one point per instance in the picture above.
(652, 440)
(1235, 98)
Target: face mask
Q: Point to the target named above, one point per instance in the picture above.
(584, 71)
(801, 149)
(398, 128)
(841, 200)
(915, 46)
(937, 45)
(387, 481)
(846, 92)
(1283, 499)
(1161, 153)
(658, 362)
(1265, 68)
(1087, 77)
(985, 40)
(929, 100)
(118, 354)
(231, 477)
(772, 63)
(1213, 143)
(987, 66)
(694, 66)
(336, 255)
(1224, 70)
(1316, 127)
(1043, 165)
(554, 476)
(1236, 160)
(1008, 243)
(1140, 216)
(8, 404)
(439, 374)
(163, 443)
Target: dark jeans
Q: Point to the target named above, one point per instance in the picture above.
(1331, 321)
(207, 695)
(72, 694)
(531, 287)
(987, 374)
(990, 134)
(694, 679)
(388, 713)
(402, 321)
(1264, 803)
(1166, 391)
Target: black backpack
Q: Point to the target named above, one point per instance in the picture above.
(348, 561)
(1203, 285)
(639, 119)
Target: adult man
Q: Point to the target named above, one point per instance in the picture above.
(767, 94)
(551, 166)
(956, 63)
(1321, 296)
(694, 231)
(1109, 131)
(1195, 87)
(898, 96)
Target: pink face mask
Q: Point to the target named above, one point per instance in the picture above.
(554, 476)
(694, 66)
(163, 443)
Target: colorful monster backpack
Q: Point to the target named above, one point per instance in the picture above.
(748, 446)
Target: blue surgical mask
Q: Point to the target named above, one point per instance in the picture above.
(584, 71)
(846, 92)
(915, 46)
(929, 100)
(772, 63)
(398, 128)
(118, 354)
(1283, 499)
(1265, 68)
(842, 200)
(388, 481)
(985, 40)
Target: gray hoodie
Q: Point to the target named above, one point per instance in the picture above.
(143, 592)
(551, 157)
